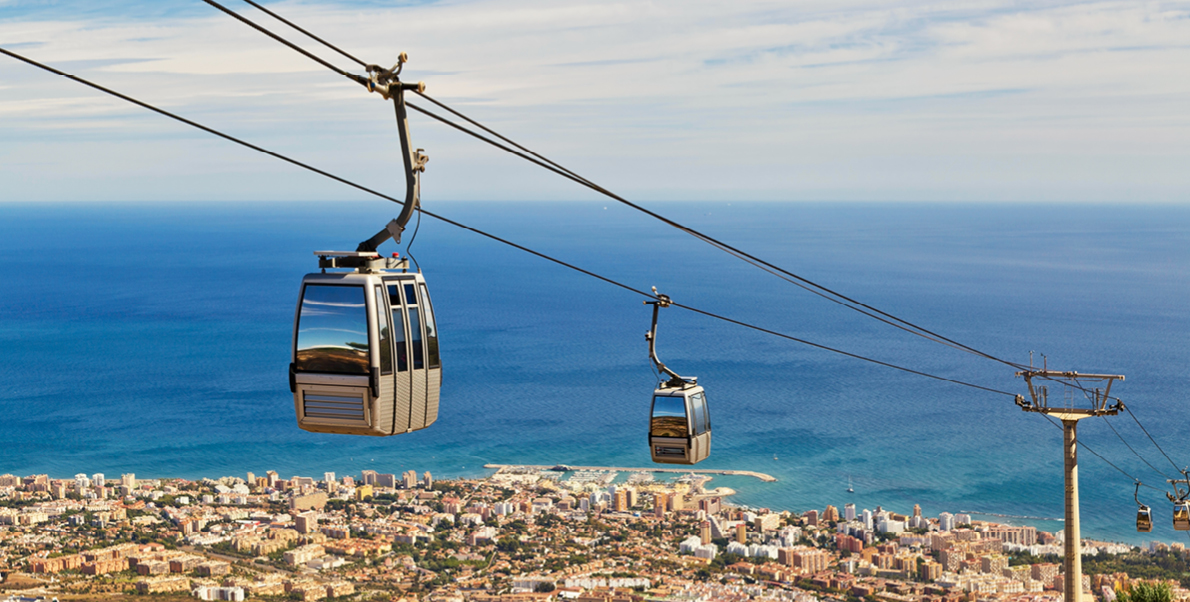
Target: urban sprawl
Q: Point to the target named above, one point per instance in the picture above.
(522, 534)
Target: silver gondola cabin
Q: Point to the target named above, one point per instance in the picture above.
(365, 349)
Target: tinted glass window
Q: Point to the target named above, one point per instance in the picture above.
(415, 335)
(410, 295)
(669, 417)
(698, 407)
(333, 330)
(431, 330)
(394, 299)
(386, 350)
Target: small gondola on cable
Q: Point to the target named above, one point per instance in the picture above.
(1181, 507)
(1144, 517)
(679, 423)
(365, 344)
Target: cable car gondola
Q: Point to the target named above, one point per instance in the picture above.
(365, 349)
(1181, 516)
(679, 424)
(365, 344)
(1144, 518)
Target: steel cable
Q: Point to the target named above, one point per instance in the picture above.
(478, 231)
(556, 168)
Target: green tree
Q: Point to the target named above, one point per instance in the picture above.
(1145, 592)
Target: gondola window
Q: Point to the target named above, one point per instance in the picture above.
(333, 330)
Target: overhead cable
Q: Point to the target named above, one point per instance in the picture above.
(280, 39)
(542, 161)
(810, 286)
(308, 34)
(478, 231)
(1126, 444)
(1108, 462)
(1146, 431)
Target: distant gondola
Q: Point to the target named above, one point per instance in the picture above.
(680, 423)
(1181, 516)
(1144, 517)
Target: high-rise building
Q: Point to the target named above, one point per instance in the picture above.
(272, 478)
(660, 501)
(306, 522)
(867, 519)
(427, 481)
(916, 510)
(328, 478)
(929, 571)
(251, 480)
(382, 480)
(410, 479)
(632, 496)
(98, 481)
(308, 501)
(849, 512)
(128, 480)
(831, 515)
(368, 477)
(710, 505)
(962, 519)
(811, 517)
(741, 533)
(705, 532)
(348, 481)
(946, 522)
(621, 503)
(677, 502)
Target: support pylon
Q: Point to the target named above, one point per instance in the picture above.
(1070, 415)
(1073, 589)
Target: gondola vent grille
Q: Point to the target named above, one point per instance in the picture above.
(337, 407)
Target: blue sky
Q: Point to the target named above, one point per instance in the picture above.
(989, 100)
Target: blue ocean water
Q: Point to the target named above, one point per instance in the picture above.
(155, 339)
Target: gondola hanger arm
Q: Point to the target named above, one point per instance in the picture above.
(660, 301)
(386, 82)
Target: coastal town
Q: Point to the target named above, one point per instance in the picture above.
(522, 534)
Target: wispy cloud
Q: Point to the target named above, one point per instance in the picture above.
(980, 99)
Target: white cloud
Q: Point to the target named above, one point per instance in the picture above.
(706, 99)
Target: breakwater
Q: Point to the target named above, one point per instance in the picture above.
(746, 473)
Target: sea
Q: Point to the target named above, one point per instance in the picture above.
(154, 338)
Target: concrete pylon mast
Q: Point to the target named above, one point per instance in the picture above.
(1070, 413)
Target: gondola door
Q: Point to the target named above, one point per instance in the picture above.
(402, 375)
(700, 426)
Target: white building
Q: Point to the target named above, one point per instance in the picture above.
(849, 512)
(708, 551)
(760, 551)
(735, 547)
(946, 522)
(204, 592)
